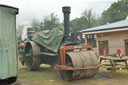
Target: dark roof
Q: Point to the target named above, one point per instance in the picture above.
(1, 5)
(115, 25)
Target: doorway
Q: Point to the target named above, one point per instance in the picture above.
(126, 47)
(103, 45)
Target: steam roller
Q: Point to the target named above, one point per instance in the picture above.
(64, 52)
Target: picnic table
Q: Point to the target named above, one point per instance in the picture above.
(113, 62)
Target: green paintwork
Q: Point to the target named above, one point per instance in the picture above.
(29, 55)
(68, 62)
(21, 54)
(8, 44)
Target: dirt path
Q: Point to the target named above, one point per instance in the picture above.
(100, 79)
(49, 76)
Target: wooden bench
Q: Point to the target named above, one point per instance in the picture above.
(113, 62)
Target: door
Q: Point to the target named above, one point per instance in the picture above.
(103, 47)
(126, 47)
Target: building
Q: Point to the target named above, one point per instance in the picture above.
(108, 38)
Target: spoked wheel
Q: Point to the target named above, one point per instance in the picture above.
(32, 58)
(80, 59)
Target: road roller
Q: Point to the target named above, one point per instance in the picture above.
(62, 50)
(8, 45)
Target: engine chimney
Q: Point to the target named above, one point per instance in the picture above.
(66, 11)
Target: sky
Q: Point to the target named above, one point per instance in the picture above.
(29, 9)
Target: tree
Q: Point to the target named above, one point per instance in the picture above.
(35, 24)
(88, 19)
(19, 32)
(49, 22)
(116, 12)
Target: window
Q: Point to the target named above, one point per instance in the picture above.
(91, 40)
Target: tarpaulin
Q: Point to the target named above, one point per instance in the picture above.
(50, 39)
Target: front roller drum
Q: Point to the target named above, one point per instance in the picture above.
(32, 58)
(80, 60)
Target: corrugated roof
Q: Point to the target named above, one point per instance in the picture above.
(115, 25)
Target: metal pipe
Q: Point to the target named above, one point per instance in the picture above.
(66, 11)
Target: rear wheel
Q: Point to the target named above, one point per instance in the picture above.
(32, 60)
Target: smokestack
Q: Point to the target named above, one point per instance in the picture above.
(66, 11)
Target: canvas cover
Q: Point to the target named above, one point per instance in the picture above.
(50, 39)
(8, 48)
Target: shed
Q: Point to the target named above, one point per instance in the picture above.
(8, 44)
(108, 38)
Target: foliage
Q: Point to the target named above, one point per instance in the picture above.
(35, 24)
(116, 12)
(49, 22)
(88, 19)
(19, 32)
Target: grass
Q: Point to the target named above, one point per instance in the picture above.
(48, 76)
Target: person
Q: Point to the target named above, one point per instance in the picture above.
(21, 52)
(119, 53)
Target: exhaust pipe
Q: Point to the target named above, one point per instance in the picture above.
(66, 11)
